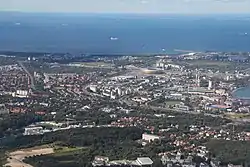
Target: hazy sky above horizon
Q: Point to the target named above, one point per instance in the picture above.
(128, 6)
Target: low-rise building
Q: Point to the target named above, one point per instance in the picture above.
(33, 131)
(177, 159)
(144, 161)
(100, 161)
(149, 137)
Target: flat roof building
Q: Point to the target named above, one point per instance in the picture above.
(144, 161)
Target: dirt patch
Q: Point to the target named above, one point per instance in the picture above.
(15, 159)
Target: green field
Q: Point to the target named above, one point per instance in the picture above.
(237, 115)
(164, 103)
(78, 68)
(93, 64)
(63, 156)
(172, 102)
(59, 151)
(208, 63)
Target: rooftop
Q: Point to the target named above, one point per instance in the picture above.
(144, 161)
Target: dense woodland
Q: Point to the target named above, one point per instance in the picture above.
(236, 152)
(10, 124)
(2, 158)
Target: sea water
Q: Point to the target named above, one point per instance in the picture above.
(134, 34)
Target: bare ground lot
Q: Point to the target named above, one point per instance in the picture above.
(15, 159)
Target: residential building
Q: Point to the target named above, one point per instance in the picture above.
(33, 131)
(149, 137)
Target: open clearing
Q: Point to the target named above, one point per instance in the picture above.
(15, 159)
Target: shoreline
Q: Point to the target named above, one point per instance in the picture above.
(171, 52)
(42, 53)
(240, 97)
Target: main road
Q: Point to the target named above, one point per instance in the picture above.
(32, 83)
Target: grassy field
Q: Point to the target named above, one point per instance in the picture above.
(237, 115)
(94, 64)
(79, 68)
(164, 103)
(62, 157)
(167, 103)
(59, 151)
(208, 63)
(40, 147)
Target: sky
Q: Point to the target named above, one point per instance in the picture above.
(128, 6)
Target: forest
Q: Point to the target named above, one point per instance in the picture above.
(235, 152)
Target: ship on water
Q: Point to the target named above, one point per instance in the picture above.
(113, 38)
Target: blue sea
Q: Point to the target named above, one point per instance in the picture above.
(242, 93)
(135, 33)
